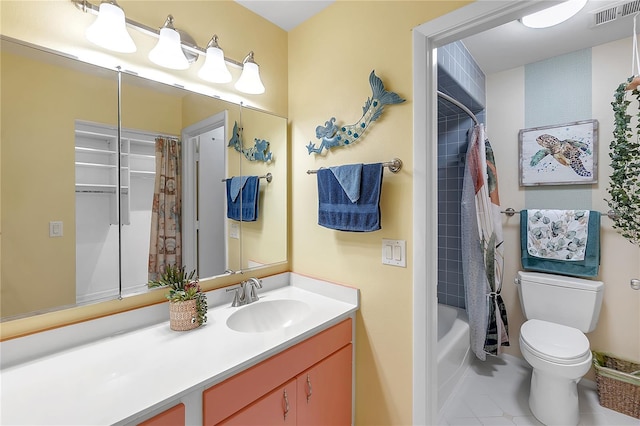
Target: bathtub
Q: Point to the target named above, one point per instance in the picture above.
(453, 349)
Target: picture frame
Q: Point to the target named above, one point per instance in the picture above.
(562, 154)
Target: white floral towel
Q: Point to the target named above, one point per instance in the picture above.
(557, 234)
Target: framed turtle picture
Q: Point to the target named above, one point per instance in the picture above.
(563, 154)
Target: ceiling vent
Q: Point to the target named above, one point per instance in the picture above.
(620, 10)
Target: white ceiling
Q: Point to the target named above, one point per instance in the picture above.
(286, 14)
(513, 44)
(498, 49)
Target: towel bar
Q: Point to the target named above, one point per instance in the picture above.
(394, 166)
(268, 177)
(611, 214)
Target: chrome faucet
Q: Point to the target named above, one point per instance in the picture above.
(246, 293)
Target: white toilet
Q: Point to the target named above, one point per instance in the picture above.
(559, 310)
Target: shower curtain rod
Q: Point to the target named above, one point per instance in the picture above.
(459, 105)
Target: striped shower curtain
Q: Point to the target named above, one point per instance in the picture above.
(483, 248)
(165, 247)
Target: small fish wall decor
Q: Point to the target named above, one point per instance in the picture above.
(332, 136)
(258, 152)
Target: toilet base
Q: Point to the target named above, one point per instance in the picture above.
(554, 400)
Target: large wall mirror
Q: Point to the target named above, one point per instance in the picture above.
(67, 237)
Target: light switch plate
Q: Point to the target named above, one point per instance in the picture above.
(234, 231)
(55, 228)
(394, 252)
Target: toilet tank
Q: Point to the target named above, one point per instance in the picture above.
(569, 301)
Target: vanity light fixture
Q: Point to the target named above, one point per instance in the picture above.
(175, 48)
(109, 29)
(249, 81)
(214, 69)
(168, 52)
(553, 15)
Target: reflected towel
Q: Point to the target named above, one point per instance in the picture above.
(588, 267)
(237, 182)
(244, 207)
(337, 211)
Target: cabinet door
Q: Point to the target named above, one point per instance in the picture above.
(278, 407)
(325, 391)
(172, 417)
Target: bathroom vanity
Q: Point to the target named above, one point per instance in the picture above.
(284, 359)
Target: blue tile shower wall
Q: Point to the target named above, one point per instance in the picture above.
(460, 77)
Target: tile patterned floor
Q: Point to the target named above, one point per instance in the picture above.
(496, 392)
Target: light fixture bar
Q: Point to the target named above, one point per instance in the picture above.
(89, 7)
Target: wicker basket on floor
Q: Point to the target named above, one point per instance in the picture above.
(618, 383)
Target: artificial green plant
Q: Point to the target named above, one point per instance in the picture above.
(183, 286)
(624, 187)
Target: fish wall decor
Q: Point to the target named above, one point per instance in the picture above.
(332, 136)
(258, 152)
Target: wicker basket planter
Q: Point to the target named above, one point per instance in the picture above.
(183, 316)
(618, 388)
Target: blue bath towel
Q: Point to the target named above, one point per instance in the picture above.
(588, 267)
(244, 207)
(337, 211)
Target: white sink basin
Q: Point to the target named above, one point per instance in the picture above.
(268, 315)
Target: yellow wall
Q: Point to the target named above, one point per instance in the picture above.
(57, 24)
(618, 329)
(38, 119)
(330, 58)
(262, 240)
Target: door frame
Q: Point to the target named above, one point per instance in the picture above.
(189, 156)
(471, 19)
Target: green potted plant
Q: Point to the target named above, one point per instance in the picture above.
(187, 302)
(624, 187)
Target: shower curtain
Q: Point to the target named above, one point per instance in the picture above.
(483, 248)
(165, 246)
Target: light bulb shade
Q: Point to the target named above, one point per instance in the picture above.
(215, 69)
(168, 52)
(109, 30)
(553, 15)
(249, 81)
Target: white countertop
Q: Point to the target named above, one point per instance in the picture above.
(118, 379)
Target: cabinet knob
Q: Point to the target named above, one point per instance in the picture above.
(286, 404)
(309, 388)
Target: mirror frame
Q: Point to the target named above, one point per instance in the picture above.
(66, 315)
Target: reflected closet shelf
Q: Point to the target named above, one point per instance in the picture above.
(94, 188)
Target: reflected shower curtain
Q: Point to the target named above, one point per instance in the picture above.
(483, 248)
(165, 247)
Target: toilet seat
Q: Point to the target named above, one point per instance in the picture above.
(555, 342)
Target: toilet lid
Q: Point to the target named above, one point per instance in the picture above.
(555, 342)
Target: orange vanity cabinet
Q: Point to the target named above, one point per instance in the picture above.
(174, 416)
(316, 375)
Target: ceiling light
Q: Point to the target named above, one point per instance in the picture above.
(249, 81)
(109, 29)
(554, 14)
(168, 52)
(214, 69)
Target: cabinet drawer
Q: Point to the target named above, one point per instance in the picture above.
(174, 416)
(278, 407)
(230, 396)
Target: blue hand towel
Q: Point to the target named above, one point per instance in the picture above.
(349, 178)
(245, 207)
(337, 211)
(588, 267)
